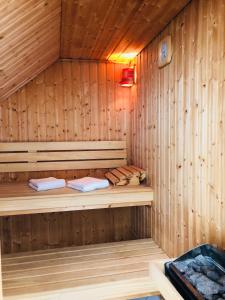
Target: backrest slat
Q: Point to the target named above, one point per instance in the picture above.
(57, 146)
(62, 155)
(44, 156)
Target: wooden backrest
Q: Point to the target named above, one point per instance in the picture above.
(44, 156)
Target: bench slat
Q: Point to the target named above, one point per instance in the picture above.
(51, 146)
(66, 155)
(63, 165)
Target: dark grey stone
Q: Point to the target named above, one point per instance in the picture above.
(194, 278)
(203, 260)
(206, 286)
(222, 280)
(195, 267)
(181, 266)
(213, 275)
(189, 272)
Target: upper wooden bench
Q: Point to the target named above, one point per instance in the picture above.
(18, 198)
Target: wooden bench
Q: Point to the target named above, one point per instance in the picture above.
(74, 271)
(19, 199)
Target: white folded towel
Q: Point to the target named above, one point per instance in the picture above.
(87, 184)
(45, 184)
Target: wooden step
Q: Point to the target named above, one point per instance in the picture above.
(60, 270)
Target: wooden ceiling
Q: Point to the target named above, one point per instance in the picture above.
(35, 33)
(29, 40)
(113, 29)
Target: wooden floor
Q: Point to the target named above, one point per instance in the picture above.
(105, 271)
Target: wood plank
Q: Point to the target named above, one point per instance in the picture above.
(65, 155)
(25, 201)
(55, 275)
(156, 273)
(61, 146)
(113, 179)
(118, 174)
(122, 246)
(64, 165)
(125, 172)
(118, 290)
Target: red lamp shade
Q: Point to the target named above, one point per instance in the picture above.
(127, 77)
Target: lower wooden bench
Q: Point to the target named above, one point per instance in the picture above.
(104, 271)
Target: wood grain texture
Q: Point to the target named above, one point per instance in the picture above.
(70, 101)
(91, 156)
(115, 30)
(53, 271)
(162, 282)
(178, 129)
(20, 199)
(33, 32)
(117, 290)
(29, 41)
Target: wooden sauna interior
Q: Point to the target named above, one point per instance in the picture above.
(61, 62)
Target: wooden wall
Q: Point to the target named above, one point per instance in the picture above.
(69, 101)
(178, 129)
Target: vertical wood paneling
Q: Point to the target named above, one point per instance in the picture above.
(70, 101)
(178, 129)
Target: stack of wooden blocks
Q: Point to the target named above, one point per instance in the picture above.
(127, 175)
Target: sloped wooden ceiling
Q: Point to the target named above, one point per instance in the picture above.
(29, 40)
(113, 29)
(116, 30)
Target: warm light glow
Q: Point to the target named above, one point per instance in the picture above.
(126, 84)
(122, 58)
(129, 55)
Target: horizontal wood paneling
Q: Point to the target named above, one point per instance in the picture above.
(178, 129)
(29, 41)
(70, 101)
(115, 30)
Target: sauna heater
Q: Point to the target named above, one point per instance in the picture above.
(199, 274)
